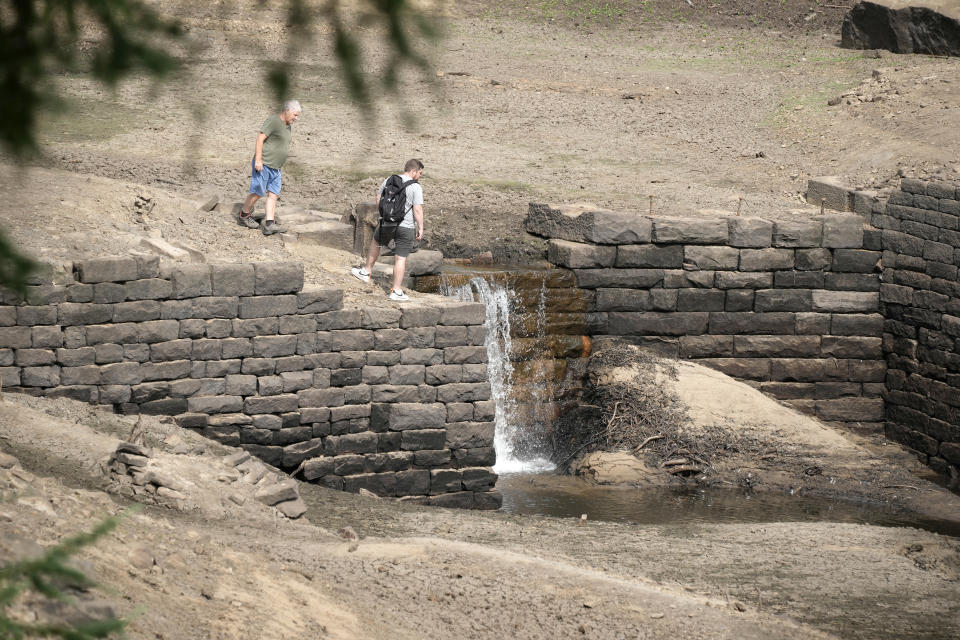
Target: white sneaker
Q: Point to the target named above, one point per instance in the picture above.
(360, 274)
(399, 296)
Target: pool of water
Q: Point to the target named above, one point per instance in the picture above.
(548, 494)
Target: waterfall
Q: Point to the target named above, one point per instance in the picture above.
(509, 435)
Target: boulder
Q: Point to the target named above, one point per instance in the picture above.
(904, 26)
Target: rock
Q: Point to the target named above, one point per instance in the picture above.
(614, 468)
(347, 533)
(293, 509)
(163, 248)
(163, 479)
(237, 498)
(135, 449)
(366, 493)
(166, 492)
(423, 262)
(236, 459)
(141, 558)
(209, 203)
(904, 26)
(131, 460)
(283, 491)
(7, 461)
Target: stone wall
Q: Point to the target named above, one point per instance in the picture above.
(387, 398)
(921, 302)
(791, 306)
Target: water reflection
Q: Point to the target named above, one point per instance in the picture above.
(569, 497)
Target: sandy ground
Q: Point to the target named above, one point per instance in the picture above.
(521, 103)
(218, 570)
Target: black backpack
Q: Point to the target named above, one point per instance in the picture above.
(393, 200)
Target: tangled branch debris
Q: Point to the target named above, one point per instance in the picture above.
(628, 405)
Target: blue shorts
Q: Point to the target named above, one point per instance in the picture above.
(265, 180)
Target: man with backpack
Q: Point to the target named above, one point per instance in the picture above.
(400, 202)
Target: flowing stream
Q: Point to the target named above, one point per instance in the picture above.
(515, 451)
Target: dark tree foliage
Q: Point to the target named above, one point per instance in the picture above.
(41, 38)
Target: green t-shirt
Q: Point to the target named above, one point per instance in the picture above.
(277, 144)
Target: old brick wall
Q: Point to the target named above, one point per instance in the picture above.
(791, 306)
(921, 302)
(394, 400)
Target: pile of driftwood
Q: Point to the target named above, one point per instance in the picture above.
(626, 406)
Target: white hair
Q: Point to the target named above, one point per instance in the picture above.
(292, 105)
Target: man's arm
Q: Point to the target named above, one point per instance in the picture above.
(258, 154)
(418, 216)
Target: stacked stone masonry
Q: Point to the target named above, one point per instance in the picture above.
(920, 295)
(393, 400)
(791, 306)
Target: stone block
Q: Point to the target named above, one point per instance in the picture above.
(465, 355)
(653, 323)
(181, 349)
(706, 346)
(426, 357)
(274, 346)
(225, 307)
(88, 374)
(808, 370)
(858, 260)
(106, 353)
(453, 336)
(342, 319)
(403, 416)
(650, 256)
(619, 278)
(422, 439)
(127, 373)
(711, 258)
(750, 232)
(700, 300)
(304, 323)
(738, 280)
(351, 340)
(842, 232)
(902, 243)
(413, 482)
(797, 233)
(232, 279)
(107, 269)
(446, 481)
(253, 405)
(475, 373)
(109, 292)
(478, 478)
(851, 410)
(313, 299)
(47, 336)
(766, 259)
(690, 231)
(829, 191)
(75, 357)
(46, 294)
(380, 317)
(856, 324)
(46, 376)
(783, 300)
(748, 323)
(32, 315)
(215, 404)
(798, 280)
(154, 331)
(165, 370)
(82, 313)
(813, 259)
(10, 376)
(191, 281)
(401, 374)
(395, 393)
(248, 328)
(437, 458)
(267, 306)
(575, 255)
(853, 282)
(776, 346)
(463, 392)
(845, 301)
(123, 333)
(269, 385)
(682, 279)
(469, 435)
(463, 313)
(320, 397)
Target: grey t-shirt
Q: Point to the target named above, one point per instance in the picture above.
(414, 196)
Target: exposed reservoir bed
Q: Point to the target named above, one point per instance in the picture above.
(559, 496)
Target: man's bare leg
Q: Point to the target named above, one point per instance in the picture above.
(372, 256)
(271, 205)
(249, 203)
(399, 264)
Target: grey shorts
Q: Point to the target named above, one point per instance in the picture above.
(402, 237)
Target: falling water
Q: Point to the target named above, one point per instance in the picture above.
(509, 437)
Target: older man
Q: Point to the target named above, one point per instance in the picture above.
(272, 147)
